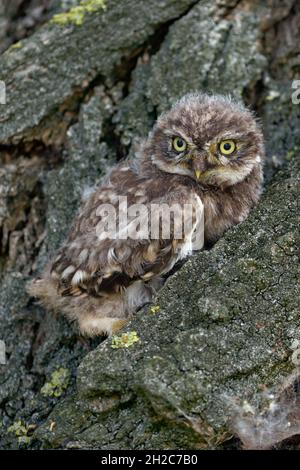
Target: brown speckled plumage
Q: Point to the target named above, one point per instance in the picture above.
(101, 283)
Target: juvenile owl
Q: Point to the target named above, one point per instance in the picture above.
(206, 151)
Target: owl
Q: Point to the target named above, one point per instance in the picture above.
(206, 150)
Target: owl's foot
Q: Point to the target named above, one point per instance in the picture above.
(119, 324)
(93, 326)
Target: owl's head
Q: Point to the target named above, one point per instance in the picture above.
(212, 139)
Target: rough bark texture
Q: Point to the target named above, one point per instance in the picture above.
(81, 91)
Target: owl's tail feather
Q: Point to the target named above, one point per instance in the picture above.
(94, 315)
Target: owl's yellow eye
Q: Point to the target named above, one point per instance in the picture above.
(179, 144)
(227, 147)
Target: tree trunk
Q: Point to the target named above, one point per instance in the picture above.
(81, 91)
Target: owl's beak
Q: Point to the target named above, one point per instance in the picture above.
(199, 166)
(197, 174)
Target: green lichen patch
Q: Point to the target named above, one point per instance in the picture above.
(125, 340)
(154, 309)
(58, 383)
(77, 14)
(20, 431)
(16, 45)
(292, 152)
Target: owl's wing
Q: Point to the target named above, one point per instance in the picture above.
(94, 264)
